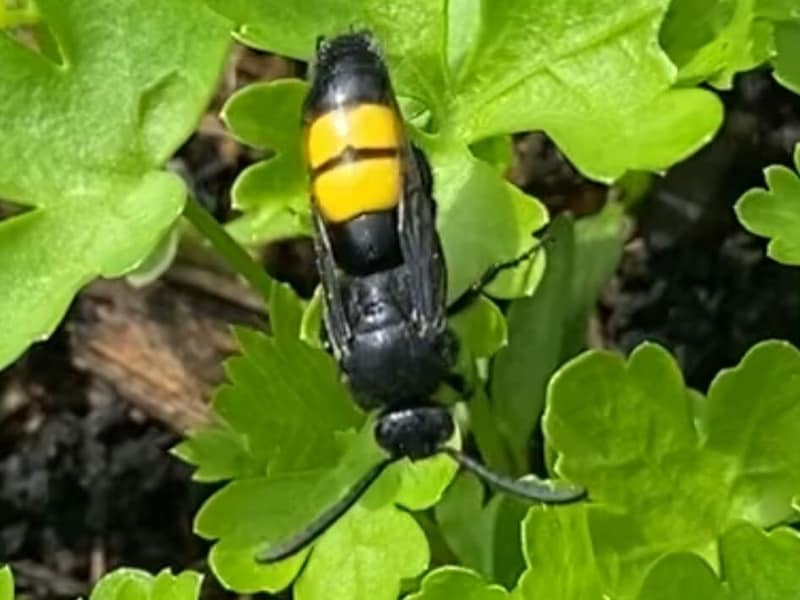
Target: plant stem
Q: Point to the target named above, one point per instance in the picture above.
(229, 248)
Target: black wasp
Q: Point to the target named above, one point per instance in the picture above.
(382, 269)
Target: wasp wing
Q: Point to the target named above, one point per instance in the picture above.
(334, 314)
(420, 244)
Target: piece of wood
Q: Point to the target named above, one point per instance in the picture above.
(161, 347)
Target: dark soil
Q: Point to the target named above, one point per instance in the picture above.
(86, 483)
(694, 280)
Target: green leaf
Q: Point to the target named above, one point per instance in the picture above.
(599, 240)
(293, 454)
(446, 583)
(682, 575)
(558, 552)
(249, 514)
(422, 484)
(485, 430)
(6, 584)
(733, 39)
(219, 453)
(482, 70)
(713, 41)
(285, 313)
(410, 31)
(481, 327)
(311, 323)
(775, 213)
(369, 552)
(288, 401)
(184, 586)
(123, 584)
(690, 25)
(787, 49)
(551, 326)
(633, 443)
(84, 141)
(273, 194)
(485, 538)
(133, 584)
(759, 564)
(565, 71)
(465, 524)
(520, 371)
(498, 151)
(158, 261)
(234, 567)
(756, 565)
(482, 220)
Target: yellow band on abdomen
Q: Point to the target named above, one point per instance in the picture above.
(353, 188)
(361, 126)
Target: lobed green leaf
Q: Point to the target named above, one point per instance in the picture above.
(456, 582)
(682, 575)
(289, 422)
(86, 159)
(484, 537)
(628, 431)
(369, 552)
(713, 41)
(219, 453)
(787, 49)
(775, 213)
(133, 584)
(273, 194)
(558, 554)
(287, 399)
(758, 564)
(521, 370)
(546, 329)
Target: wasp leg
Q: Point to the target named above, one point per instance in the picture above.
(493, 271)
(316, 528)
(336, 324)
(420, 244)
(532, 489)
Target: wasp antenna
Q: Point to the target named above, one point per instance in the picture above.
(531, 489)
(318, 526)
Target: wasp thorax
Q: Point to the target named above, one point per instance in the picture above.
(417, 432)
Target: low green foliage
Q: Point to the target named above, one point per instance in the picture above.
(130, 584)
(690, 494)
(546, 329)
(716, 39)
(669, 472)
(483, 535)
(775, 213)
(787, 49)
(454, 582)
(88, 123)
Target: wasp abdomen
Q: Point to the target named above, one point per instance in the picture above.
(354, 146)
(353, 153)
